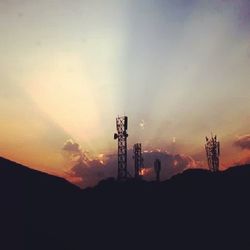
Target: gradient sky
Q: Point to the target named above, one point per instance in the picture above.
(68, 68)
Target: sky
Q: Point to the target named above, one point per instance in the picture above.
(178, 69)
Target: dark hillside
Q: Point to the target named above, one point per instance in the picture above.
(193, 210)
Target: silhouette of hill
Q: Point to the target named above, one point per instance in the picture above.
(29, 198)
(193, 210)
(31, 178)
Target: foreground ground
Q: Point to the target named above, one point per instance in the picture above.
(193, 210)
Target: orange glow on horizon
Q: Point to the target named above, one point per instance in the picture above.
(145, 171)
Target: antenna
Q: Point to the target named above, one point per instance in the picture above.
(212, 148)
(157, 167)
(122, 135)
(138, 160)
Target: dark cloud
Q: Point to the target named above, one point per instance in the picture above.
(243, 142)
(74, 152)
(71, 146)
(171, 163)
(92, 171)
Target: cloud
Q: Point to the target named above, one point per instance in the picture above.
(93, 172)
(74, 151)
(243, 142)
(171, 163)
(88, 172)
(71, 146)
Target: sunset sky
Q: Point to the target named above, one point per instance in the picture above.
(179, 69)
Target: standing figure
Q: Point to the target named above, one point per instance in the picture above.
(157, 167)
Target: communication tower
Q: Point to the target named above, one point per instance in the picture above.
(138, 160)
(212, 147)
(122, 135)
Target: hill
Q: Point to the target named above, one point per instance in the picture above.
(193, 210)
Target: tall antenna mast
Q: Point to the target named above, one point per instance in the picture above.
(212, 148)
(122, 135)
(138, 160)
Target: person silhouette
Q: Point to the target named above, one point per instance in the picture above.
(157, 167)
